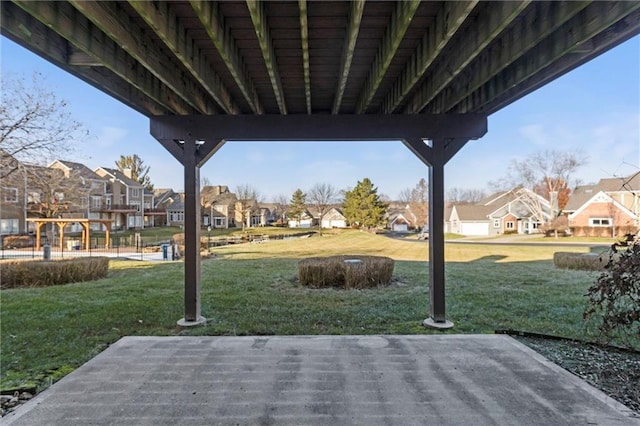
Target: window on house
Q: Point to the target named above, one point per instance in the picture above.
(9, 226)
(96, 202)
(496, 223)
(510, 225)
(600, 221)
(10, 195)
(135, 192)
(136, 205)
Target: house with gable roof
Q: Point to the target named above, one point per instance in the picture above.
(124, 199)
(517, 211)
(610, 208)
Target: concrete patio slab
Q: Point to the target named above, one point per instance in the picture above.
(321, 380)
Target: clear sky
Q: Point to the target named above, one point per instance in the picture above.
(595, 108)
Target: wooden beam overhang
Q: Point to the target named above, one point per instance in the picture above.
(355, 17)
(468, 46)
(259, 19)
(220, 35)
(119, 27)
(161, 19)
(65, 21)
(194, 139)
(450, 18)
(540, 21)
(399, 23)
(304, 37)
(600, 21)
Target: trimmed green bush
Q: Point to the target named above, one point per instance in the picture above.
(40, 273)
(345, 271)
(580, 261)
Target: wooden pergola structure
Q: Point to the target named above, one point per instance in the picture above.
(61, 223)
(426, 73)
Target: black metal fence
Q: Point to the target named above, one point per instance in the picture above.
(118, 246)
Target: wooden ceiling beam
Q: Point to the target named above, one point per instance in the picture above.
(598, 19)
(261, 26)
(450, 17)
(167, 26)
(119, 27)
(496, 16)
(355, 17)
(25, 30)
(70, 25)
(304, 36)
(398, 25)
(208, 13)
(542, 20)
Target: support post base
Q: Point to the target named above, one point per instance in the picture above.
(184, 323)
(441, 325)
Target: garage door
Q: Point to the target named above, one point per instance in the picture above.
(474, 228)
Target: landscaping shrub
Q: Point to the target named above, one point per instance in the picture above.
(17, 241)
(345, 271)
(614, 300)
(581, 261)
(39, 273)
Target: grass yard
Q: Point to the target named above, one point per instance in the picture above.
(251, 289)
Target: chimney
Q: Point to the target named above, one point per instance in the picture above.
(127, 172)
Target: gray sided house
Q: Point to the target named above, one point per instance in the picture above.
(518, 211)
(125, 199)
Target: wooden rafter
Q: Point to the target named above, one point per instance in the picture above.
(170, 30)
(65, 21)
(117, 25)
(598, 18)
(355, 17)
(209, 15)
(467, 47)
(304, 36)
(448, 20)
(543, 19)
(259, 19)
(400, 20)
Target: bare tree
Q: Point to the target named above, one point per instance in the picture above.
(547, 174)
(465, 196)
(405, 195)
(281, 202)
(247, 198)
(320, 196)
(35, 126)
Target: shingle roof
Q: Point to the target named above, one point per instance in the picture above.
(122, 177)
(81, 170)
(473, 211)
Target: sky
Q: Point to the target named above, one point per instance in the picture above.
(595, 108)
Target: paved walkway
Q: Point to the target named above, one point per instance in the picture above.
(321, 380)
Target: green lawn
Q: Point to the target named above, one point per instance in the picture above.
(251, 289)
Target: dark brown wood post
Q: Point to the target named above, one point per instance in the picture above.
(192, 314)
(436, 237)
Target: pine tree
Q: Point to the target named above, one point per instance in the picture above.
(298, 205)
(363, 206)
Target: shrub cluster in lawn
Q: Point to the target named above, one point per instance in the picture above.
(614, 300)
(581, 261)
(345, 271)
(39, 273)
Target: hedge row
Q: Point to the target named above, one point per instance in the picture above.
(39, 273)
(581, 261)
(345, 271)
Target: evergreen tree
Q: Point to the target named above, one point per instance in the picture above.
(298, 205)
(139, 171)
(363, 206)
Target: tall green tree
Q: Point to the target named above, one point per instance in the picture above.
(139, 171)
(363, 206)
(297, 205)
